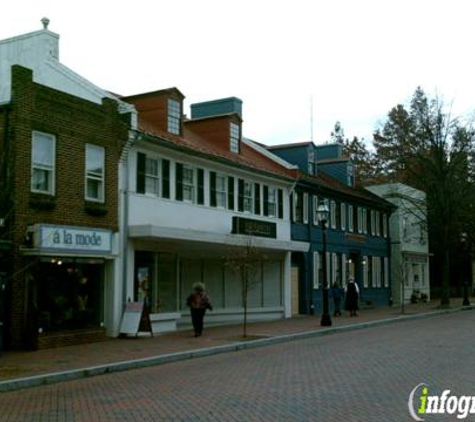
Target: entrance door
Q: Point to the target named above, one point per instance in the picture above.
(295, 290)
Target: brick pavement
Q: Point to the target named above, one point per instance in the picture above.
(28, 365)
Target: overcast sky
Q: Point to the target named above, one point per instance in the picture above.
(292, 62)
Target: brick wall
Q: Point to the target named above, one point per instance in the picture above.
(74, 122)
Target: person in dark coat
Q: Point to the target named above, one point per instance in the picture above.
(337, 294)
(352, 297)
(198, 302)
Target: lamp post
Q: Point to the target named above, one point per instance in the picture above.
(322, 215)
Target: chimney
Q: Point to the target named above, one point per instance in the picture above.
(214, 108)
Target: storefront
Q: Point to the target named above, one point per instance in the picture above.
(67, 282)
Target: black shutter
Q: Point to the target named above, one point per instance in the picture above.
(212, 189)
(240, 195)
(141, 172)
(201, 189)
(165, 179)
(231, 193)
(179, 181)
(266, 200)
(280, 203)
(257, 198)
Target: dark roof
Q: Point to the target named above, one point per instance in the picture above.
(328, 183)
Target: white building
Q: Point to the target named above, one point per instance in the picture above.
(197, 195)
(409, 241)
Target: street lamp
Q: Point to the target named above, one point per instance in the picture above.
(322, 215)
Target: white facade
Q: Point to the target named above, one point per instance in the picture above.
(409, 241)
(180, 242)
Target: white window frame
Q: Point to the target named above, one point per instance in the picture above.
(350, 218)
(189, 186)
(305, 208)
(234, 137)
(173, 116)
(333, 214)
(98, 177)
(365, 271)
(271, 201)
(359, 212)
(315, 208)
(365, 220)
(221, 191)
(150, 176)
(248, 200)
(343, 216)
(48, 167)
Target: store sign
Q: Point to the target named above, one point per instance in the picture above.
(254, 227)
(74, 239)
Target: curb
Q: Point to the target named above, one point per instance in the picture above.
(75, 374)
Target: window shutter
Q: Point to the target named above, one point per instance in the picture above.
(201, 189)
(305, 208)
(316, 281)
(257, 198)
(266, 200)
(212, 189)
(280, 205)
(179, 181)
(140, 188)
(241, 195)
(231, 193)
(165, 179)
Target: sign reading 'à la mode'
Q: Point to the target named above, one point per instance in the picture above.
(75, 239)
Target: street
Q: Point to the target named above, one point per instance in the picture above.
(362, 375)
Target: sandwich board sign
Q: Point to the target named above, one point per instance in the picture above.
(135, 319)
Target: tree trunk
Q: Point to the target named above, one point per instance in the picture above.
(445, 291)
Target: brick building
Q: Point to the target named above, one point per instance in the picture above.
(60, 142)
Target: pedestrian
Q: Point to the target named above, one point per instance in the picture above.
(337, 294)
(198, 302)
(352, 297)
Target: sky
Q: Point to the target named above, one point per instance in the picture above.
(299, 66)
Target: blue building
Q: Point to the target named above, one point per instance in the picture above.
(358, 244)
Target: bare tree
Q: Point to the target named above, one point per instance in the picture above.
(246, 261)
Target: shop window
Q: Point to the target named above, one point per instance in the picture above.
(43, 163)
(69, 293)
(95, 156)
(155, 281)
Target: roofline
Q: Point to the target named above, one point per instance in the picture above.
(147, 137)
(291, 145)
(262, 150)
(152, 93)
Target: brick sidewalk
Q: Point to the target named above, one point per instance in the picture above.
(16, 365)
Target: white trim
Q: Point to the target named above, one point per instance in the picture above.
(268, 154)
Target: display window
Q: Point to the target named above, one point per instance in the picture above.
(68, 293)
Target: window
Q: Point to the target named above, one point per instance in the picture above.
(333, 214)
(365, 220)
(188, 184)
(270, 201)
(350, 218)
(234, 137)
(305, 208)
(174, 116)
(297, 199)
(343, 215)
(316, 269)
(218, 191)
(152, 180)
(315, 208)
(245, 196)
(43, 163)
(95, 173)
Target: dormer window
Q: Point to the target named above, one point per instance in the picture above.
(234, 137)
(174, 116)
